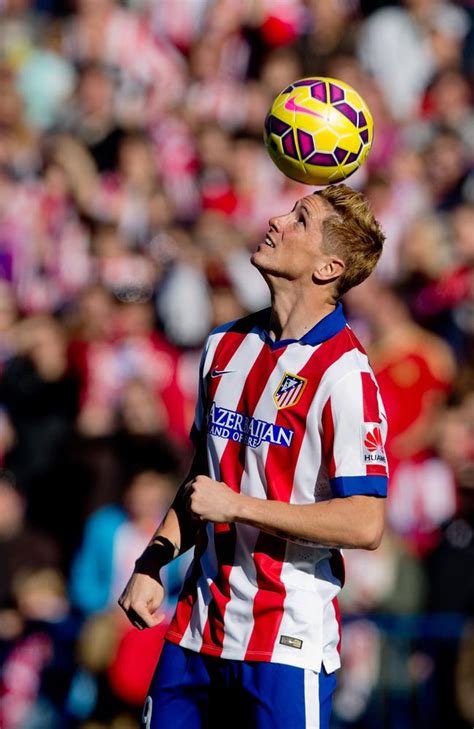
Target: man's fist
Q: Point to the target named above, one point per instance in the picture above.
(141, 599)
(211, 500)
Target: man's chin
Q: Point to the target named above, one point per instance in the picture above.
(257, 259)
(254, 260)
(268, 272)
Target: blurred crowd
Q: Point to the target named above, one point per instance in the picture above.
(133, 185)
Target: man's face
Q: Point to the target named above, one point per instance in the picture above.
(292, 248)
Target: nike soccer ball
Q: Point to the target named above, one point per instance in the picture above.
(318, 131)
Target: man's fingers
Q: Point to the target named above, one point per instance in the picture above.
(124, 604)
(144, 619)
(136, 619)
(188, 488)
(191, 506)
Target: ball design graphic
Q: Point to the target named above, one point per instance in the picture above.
(318, 131)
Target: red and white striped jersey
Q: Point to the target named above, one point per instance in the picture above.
(297, 421)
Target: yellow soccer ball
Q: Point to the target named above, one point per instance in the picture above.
(318, 131)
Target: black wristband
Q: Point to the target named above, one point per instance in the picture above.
(156, 555)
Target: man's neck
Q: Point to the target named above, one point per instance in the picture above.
(293, 316)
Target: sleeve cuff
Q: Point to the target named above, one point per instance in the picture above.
(359, 486)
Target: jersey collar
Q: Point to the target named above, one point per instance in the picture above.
(330, 325)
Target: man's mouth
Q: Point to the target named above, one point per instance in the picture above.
(268, 242)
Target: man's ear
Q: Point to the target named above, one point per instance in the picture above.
(329, 270)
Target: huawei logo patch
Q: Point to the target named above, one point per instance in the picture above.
(373, 441)
(373, 444)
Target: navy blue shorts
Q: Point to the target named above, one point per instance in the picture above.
(193, 691)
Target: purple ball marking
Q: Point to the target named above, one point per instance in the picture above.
(305, 142)
(340, 154)
(362, 120)
(335, 93)
(267, 124)
(273, 145)
(278, 126)
(353, 157)
(318, 91)
(305, 82)
(287, 90)
(348, 112)
(364, 136)
(289, 146)
(321, 159)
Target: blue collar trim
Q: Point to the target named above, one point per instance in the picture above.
(332, 324)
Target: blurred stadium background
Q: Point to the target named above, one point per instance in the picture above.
(133, 184)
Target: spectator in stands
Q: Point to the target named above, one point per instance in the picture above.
(405, 46)
(142, 437)
(91, 117)
(40, 396)
(22, 548)
(40, 664)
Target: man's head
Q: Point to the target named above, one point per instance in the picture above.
(329, 239)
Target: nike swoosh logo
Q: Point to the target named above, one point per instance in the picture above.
(291, 105)
(218, 373)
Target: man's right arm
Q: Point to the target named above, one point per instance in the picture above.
(176, 534)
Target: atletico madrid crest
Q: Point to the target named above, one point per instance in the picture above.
(289, 390)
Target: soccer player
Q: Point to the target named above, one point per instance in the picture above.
(289, 467)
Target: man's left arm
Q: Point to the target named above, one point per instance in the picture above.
(353, 521)
(353, 429)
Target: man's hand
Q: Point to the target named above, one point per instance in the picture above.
(211, 500)
(141, 599)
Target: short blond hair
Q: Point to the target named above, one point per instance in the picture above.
(352, 233)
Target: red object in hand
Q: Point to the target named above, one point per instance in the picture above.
(132, 669)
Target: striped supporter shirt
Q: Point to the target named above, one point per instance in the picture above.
(297, 421)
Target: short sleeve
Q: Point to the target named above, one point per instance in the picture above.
(354, 429)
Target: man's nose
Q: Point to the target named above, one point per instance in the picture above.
(275, 222)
